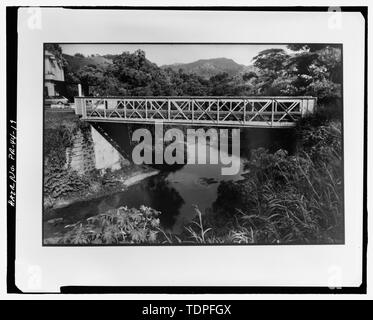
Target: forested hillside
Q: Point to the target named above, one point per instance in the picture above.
(312, 70)
(207, 68)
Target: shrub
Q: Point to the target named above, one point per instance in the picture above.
(117, 226)
(59, 182)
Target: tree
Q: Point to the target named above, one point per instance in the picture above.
(313, 69)
(313, 47)
(90, 75)
(271, 60)
(220, 84)
(249, 75)
(133, 69)
(317, 70)
(272, 72)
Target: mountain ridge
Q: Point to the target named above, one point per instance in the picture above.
(207, 68)
(204, 68)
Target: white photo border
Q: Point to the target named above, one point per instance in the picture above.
(305, 266)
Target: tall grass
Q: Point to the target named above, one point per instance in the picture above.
(199, 233)
(289, 198)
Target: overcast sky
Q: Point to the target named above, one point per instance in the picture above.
(175, 53)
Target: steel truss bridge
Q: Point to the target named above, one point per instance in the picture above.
(266, 112)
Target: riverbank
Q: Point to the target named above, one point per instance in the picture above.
(71, 171)
(101, 185)
(284, 199)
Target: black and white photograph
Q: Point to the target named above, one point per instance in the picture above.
(187, 150)
(193, 144)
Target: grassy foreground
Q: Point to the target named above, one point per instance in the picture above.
(283, 199)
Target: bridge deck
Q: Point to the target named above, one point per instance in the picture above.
(217, 111)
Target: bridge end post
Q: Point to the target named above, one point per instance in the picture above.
(84, 109)
(308, 106)
(78, 102)
(312, 105)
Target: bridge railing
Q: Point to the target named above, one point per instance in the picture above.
(242, 111)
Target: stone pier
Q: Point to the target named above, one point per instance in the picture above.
(91, 151)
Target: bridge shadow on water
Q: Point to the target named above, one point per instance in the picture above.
(272, 139)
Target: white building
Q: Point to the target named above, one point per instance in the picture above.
(53, 73)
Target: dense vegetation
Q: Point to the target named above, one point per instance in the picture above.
(115, 227)
(283, 198)
(288, 198)
(308, 70)
(58, 136)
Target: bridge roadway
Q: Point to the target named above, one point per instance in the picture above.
(267, 112)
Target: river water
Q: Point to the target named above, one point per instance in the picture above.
(173, 192)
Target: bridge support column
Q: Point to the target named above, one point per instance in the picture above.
(91, 150)
(106, 156)
(308, 106)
